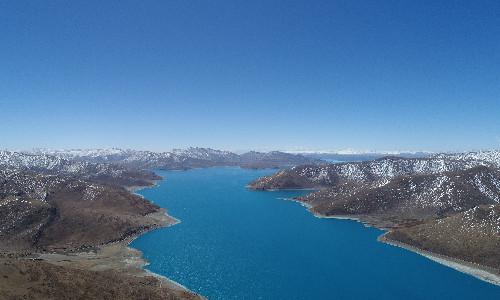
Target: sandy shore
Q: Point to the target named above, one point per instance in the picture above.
(365, 221)
(130, 259)
(487, 274)
(133, 189)
(481, 272)
(116, 256)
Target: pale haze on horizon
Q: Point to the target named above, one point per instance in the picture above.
(250, 75)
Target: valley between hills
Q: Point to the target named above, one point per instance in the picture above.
(67, 216)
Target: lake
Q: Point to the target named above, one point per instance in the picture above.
(233, 243)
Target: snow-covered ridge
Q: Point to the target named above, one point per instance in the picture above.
(54, 165)
(412, 196)
(36, 163)
(306, 176)
(114, 155)
(491, 156)
(176, 159)
(37, 186)
(72, 153)
(389, 167)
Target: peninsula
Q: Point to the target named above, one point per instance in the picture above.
(445, 204)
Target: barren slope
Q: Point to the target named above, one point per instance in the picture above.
(409, 197)
(27, 279)
(317, 177)
(54, 212)
(110, 174)
(472, 236)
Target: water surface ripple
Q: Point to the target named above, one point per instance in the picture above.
(233, 243)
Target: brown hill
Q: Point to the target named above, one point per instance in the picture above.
(43, 212)
(27, 279)
(409, 198)
(472, 236)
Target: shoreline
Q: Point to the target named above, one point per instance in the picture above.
(118, 255)
(357, 218)
(115, 256)
(161, 216)
(315, 189)
(134, 188)
(480, 272)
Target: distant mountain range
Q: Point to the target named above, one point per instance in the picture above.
(357, 152)
(184, 159)
(350, 155)
(363, 156)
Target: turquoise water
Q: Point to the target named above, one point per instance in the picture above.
(233, 243)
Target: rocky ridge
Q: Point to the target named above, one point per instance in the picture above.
(409, 198)
(322, 176)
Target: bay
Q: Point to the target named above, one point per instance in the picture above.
(233, 243)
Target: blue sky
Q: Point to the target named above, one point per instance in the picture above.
(240, 75)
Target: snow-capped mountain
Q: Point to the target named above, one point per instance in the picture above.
(53, 165)
(321, 176)
(91, 155)
(179, 159)
(492, 156)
